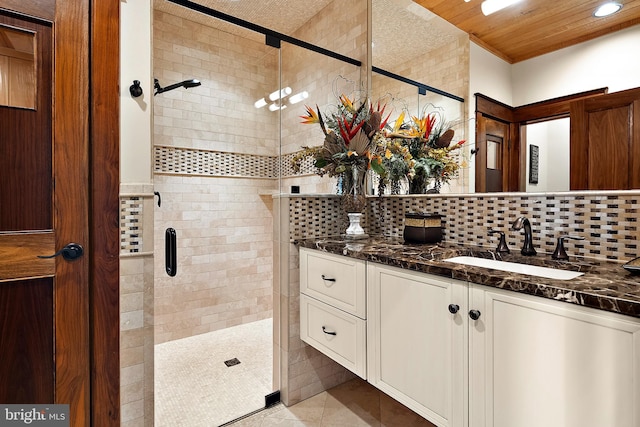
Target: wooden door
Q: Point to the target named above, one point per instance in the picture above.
(494, 165)
(605, 142)
(44, 197)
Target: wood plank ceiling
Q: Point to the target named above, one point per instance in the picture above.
(533, 27)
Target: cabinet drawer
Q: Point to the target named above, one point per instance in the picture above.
(335, 333)
(334, 279)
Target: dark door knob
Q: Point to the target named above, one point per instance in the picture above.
(453, 308)
(70, 252)
(474, 314)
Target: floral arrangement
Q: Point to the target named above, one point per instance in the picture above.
(428, 141)
(398, 164)
(349, 147)
(357, 139)
(348, 141)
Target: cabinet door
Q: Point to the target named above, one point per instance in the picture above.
(416, 348)
(537, 362)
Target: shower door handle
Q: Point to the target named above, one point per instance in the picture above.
(170, 257)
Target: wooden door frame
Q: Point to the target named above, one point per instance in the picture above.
(516, 118)
(104, 220)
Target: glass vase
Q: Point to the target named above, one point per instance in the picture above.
(354, 200)
(353, 195)
(419, 182)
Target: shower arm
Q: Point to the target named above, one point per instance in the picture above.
(186, 84)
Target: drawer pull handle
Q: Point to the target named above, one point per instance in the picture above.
(327, 332)
(453, 308)
(327, 279)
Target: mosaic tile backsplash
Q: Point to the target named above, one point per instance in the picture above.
(609, 222)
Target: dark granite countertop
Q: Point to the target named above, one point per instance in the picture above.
(605, 285)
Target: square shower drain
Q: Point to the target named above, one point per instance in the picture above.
(232, 362)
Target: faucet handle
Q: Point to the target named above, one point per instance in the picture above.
(560, 253)
(502, 244)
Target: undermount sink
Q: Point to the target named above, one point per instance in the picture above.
(531, 270)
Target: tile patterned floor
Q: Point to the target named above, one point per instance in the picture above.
(352, 404)
(194, 387)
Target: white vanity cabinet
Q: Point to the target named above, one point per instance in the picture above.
(417, 341)
(466, 355)
(333, 307)
(538, 362)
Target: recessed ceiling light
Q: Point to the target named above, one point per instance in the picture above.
(607, 9)
(490, 6)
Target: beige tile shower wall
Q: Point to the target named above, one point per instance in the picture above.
(224, 250)
(136, 341)
(341, 28)
(223, 224)
(235, 71)
(136, 304)
(445, 68)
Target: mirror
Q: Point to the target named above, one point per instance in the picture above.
(420, 54)
(551, 139)
(17, 68)
(433, 53)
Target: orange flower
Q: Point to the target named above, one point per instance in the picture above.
(347, 103)
(311, 118)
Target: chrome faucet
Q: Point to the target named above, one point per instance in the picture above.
(527, 248)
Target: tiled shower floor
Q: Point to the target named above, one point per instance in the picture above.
(194, 387)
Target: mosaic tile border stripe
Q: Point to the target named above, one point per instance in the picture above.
(610, 224)
(131, 220)
(306, 165)
(191, 161)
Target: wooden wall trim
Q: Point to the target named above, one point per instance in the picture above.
(489, 107)
(556, 107)
(104, 221)
(634, 156)
(517, 117)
